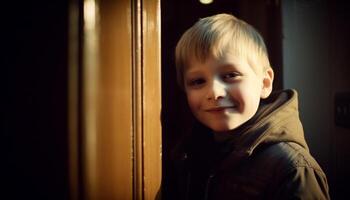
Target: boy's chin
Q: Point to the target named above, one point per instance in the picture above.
(222, 129)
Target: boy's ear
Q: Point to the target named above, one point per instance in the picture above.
(268, 76)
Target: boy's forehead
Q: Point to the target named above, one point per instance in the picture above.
(224, 59)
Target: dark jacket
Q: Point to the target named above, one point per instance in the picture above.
(267, 158)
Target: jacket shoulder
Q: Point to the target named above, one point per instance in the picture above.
(289, 155)
(295, 171)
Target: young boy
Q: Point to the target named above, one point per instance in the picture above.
(249, 142)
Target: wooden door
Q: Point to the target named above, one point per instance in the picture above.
(115, 99)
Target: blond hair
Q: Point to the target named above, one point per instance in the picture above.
(215, 35)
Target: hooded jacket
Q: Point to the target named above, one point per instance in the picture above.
(266, 158)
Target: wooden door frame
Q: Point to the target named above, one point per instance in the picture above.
(114, 99)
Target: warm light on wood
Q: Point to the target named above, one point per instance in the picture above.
(152, 100)
(118, 154)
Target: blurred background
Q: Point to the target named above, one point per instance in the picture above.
(308, 44)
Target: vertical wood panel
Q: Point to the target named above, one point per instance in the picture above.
(115, 106)
(152, 97)
(73, 98)
(137, 99)
(120, 145)
(89, 102)
(147, 98)
(107, 141)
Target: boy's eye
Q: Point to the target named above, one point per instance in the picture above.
(196, 82)
(230, 75)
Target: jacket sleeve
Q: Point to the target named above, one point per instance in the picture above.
(303, 183)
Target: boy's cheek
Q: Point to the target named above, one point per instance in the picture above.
(193, 100)
(190, 100)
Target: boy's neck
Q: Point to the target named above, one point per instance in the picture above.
(221, 137)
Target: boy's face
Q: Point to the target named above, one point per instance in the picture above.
(223, 93)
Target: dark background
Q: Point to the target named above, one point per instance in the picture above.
(34, 129)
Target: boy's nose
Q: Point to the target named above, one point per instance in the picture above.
(217, 90)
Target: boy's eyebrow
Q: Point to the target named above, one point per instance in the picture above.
(230, 66)
(193, 72)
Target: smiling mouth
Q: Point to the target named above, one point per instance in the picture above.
(220, 109)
